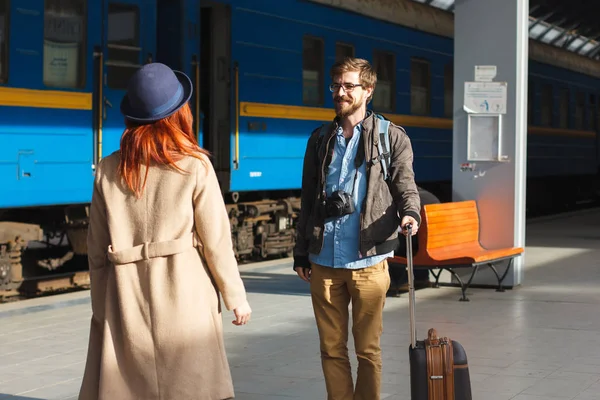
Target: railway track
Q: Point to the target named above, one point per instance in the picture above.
(47, 285)
(54, 283)
(47, 281)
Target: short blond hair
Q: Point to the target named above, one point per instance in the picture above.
(366, 73)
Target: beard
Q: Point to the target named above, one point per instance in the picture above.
(345, 107)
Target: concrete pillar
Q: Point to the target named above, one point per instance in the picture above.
(493, 33)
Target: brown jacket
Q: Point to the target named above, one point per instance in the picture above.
(382, 204)
(156, 266)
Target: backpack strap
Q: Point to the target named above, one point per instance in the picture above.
(383, 145)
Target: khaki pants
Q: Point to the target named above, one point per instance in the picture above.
(331, 290)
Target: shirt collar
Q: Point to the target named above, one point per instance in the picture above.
(357, 129)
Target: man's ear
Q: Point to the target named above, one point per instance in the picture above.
(370, 93)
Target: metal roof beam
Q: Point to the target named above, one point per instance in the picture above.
(593, 52)
(580, 11)
(591, 37)
(565, 32)
(540, 19)
(548, 29)
(582, 45)
(567, 24)
(569, 15)
(570, 40)
(533, 8)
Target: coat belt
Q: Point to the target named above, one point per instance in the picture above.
(148, 250)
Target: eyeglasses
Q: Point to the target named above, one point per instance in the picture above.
(348, 87)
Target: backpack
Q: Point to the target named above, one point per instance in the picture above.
(383, 144)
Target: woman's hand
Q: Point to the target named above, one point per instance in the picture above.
(242, 314)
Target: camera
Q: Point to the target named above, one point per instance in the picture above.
(338, 204)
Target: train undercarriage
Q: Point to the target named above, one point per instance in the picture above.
(261, 228)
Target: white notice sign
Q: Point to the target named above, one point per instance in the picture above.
(485, 97)
(485, 73)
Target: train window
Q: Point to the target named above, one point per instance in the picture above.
(420, 77)
(592, 113)
(4, 23)
(384, 65)
(313, 59)
(343, 50)
(564, 108)
(64, 43)
(448, 90)
(123, 44)
(579, 110)
(546, 105)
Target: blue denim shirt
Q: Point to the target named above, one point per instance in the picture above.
(342, 234)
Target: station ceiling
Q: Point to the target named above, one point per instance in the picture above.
(569, 24)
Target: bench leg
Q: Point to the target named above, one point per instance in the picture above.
(437, 278)
(463, 287)
(501, 279)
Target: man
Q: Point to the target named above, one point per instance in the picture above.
(348, 227)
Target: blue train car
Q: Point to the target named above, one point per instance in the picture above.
(64, 65)
(279, 54)
(563, 148)
(260, 70)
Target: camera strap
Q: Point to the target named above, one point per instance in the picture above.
(324, 167)
(358, 160)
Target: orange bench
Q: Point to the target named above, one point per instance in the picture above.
(448, 238)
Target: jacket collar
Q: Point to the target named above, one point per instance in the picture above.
(367, 125)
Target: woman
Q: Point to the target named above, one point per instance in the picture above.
(160, 251)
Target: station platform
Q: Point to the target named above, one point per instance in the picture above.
(540, 341)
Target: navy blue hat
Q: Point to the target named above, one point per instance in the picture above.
(154, 92)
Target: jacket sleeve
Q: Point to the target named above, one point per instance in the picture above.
(98, 236)
(402, 178)
(214, 232)
(307, 200)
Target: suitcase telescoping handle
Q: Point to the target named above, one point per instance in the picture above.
(411, 285)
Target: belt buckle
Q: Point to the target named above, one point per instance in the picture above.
(145, 251)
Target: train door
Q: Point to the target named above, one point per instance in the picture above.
(216, 87)
(189, 60)
(129, 41)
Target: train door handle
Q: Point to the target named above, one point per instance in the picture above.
(107, 104)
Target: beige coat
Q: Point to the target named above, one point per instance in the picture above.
(156, 329)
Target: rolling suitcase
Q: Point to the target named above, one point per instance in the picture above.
(438, 365)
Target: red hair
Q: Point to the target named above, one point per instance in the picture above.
(163, 142)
